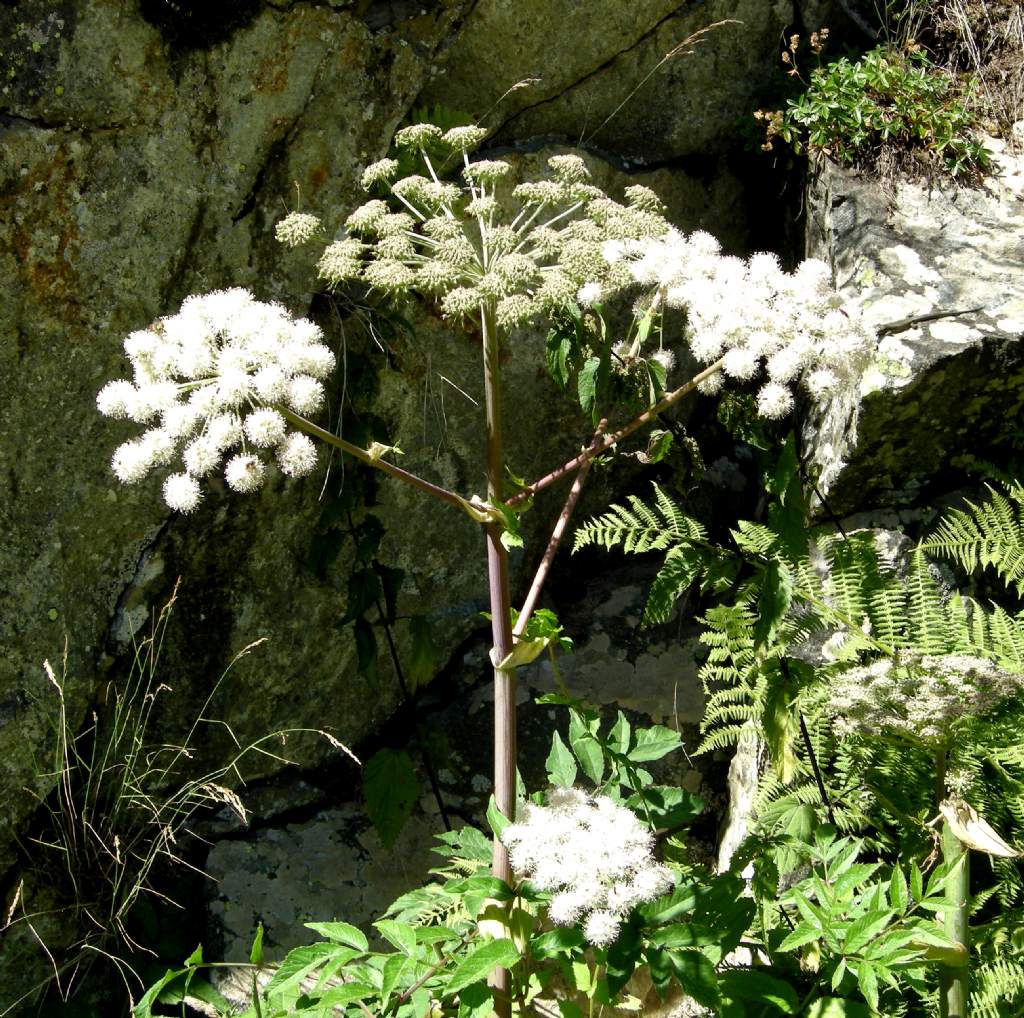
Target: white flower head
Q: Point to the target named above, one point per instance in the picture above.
(182, 493)
(592, 854)
(216, 374)
(588, 294)
(244, 473)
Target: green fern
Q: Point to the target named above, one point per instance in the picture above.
(642, 527)
(998, 987)
(661, 526)
(987, 535)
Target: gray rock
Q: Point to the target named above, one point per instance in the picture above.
(603, 72)
(134, 174)
(943, 394)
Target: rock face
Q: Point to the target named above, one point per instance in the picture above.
(131, 175)
(134, 174)
(944, 388)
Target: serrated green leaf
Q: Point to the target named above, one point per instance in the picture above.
(561, 766)
(341, 933)
(399, 935)
(867, 980)
(479, 964)
(653, 743)
(750, 984)
(864, 929)
(587, 386)
(390, 790)
(340, 995)
(805, 933)
(298, 964)
(696, 976)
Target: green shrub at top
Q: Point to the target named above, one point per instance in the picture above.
(886, 105)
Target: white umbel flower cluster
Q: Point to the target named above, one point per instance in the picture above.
(920, 698)
(763, 321)
(212, 381)
(593, 855)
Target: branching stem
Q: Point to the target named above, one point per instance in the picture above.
(603, 444)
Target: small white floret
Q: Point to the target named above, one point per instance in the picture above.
(182, 493)
(265, 428)
(244, 473)
(296, 456)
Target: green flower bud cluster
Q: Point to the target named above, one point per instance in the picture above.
(519, 251)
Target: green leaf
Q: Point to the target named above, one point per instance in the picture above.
(622, 958)
(298, 964)
(495, 818)
(676, 575)
(390, 974)
(398, 934)
(561, 766)
(620, 737)
(339, 995)
(653, 743)
(256, 953)
(476, 1001)
(867, 979)
(558, 347)
(696, 975)
(864, 929)
(805, 933)
(773, 602)
(916, 882)
(837, 1007)
(390, 790)
(479, 964)
(424, 655)
(341, 933)
(143, 1009)
(560, 940)
(749, 984)
(688, 934)
(666, 805)
(587, 386)
(366, 651)
(586, 747)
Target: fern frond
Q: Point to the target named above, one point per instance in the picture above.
(987, 535)
(641, 527)
(676, 575)
(997, 985)
(925, 613)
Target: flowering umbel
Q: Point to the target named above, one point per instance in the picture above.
(593, 855)
(212, 382)
(761, 320)
(919, 698)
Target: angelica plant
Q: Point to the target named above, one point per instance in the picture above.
(232, 378)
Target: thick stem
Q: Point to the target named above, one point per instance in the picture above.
(954, 980)
(501, 630)
(442, 494)
(602, 445)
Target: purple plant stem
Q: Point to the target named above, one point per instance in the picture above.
(596, 448)
(557, 533)
(501, 631)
